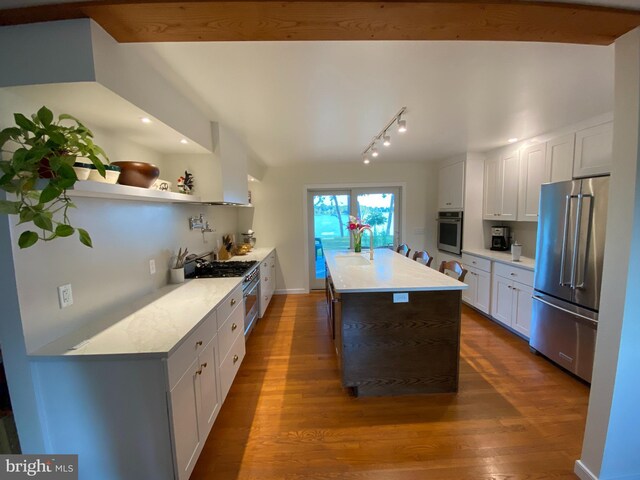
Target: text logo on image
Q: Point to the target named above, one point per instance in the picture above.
(50, 467)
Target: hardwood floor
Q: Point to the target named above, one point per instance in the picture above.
(516, 416)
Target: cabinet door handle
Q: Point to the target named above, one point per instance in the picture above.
(448, 203)
(233, 327)
(513, 274)
(266, 279)
(233, 302)
(199, 371)
(204, 365)
(473, 261)
(235, 358)
(509, 287)
(198, 343)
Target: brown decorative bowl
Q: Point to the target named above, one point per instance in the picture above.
(137, 174)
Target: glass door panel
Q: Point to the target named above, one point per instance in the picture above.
(329, 225)
(379, 209)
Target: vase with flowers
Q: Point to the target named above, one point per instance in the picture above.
(356, 228)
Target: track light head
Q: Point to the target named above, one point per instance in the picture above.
(386, 140)
(374, 152)
(402, 125)
(366, 161)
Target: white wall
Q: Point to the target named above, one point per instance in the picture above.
(611, 441)
(278, 215)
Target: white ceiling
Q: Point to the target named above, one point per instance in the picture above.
(324, 101)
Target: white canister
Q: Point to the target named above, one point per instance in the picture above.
(516, 251)
(176, 275)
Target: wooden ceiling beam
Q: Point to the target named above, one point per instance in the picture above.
(243, 20)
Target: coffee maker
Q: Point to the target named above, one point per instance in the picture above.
(500, 238)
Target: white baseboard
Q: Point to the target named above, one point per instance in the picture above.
(291, 291)
(583, 472)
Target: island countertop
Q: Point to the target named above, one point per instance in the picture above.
(388, 272)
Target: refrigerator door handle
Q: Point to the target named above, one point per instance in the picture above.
(565, 234)
(590, 320)
(576, 242)
(586, 253)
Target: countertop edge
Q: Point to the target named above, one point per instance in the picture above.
(504, 261)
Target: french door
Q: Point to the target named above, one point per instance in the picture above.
(328, 214)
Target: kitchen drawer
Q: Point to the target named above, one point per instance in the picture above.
(514, 273)
(230, 365)
(476, 262)
(229, 331)
(180, 360)
(228, 304)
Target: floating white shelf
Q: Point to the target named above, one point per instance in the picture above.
(89, 188)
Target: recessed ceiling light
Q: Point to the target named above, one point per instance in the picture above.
(184, 141)
(512, 140)
(386, 140)
(145, 120)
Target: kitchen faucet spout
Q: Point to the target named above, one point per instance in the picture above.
(362, 229)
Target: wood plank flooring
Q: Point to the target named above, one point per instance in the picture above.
(516, 416)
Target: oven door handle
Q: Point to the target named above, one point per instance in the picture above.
(440, 220)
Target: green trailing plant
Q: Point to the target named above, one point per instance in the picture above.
(37, 167)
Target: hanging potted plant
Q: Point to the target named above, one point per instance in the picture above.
(37, 167)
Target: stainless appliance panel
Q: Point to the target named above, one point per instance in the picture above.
(556, 238)
(251, 292)
(590, 252)
(450, 232)
(564, 333)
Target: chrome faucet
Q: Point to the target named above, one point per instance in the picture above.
(362, 229)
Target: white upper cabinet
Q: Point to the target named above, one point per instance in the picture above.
(532, 175)
(593, 154)
(451, 187)
(559, 159)
(501, 186)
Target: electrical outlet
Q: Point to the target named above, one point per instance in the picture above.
(65, 296)
(152, 266)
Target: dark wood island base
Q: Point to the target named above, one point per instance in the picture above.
(388, 348)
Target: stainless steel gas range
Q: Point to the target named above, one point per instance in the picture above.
(201, 268)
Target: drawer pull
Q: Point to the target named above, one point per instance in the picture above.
(233, 302)
(235, 358)
(473, 261)
(199, 372)
(513, 274)
(204, 365)
(199, 343)
(233, 327)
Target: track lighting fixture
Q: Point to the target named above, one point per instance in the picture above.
(366, 161)
(384, 137)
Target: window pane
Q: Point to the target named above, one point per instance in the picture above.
(377, 210)
(331, 226)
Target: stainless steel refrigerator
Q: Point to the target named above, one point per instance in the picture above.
(571, 233)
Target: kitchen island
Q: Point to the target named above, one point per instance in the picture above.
(395, 324)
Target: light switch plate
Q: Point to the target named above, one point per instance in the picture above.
(152, 266)
(65, 295)
(400, 298)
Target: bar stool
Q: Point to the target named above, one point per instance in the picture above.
(454, 267)
(403, 249)
(423, 257)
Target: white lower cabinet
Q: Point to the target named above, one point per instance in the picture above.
(267, 281)
(511, 304)
(478, 295)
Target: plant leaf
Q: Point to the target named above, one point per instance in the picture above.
(66, 116)
(49, 193)
(84, 237)
(57, 137)
(64, 183)
(26, 215)
(45, 116)
(42, 221)
(27, 239)
(98, 164)
(66, 171)
(63, 230)
(10, 208)
(24, 122)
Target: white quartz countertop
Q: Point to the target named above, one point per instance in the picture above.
(257, 254)
(388, 272)
(153, 325)
(502, 257)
